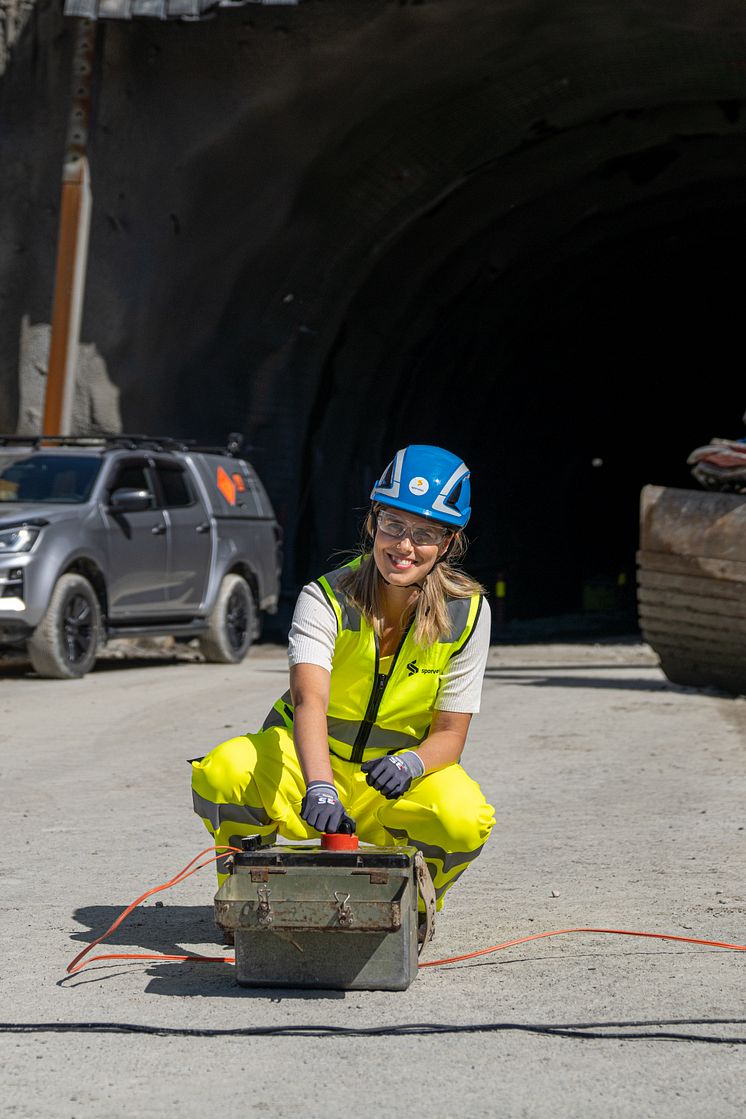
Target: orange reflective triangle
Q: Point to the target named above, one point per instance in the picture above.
(226, 486)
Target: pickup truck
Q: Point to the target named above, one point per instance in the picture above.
(125, 536)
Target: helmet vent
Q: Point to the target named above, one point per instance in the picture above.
(388, 476)
(454, 495)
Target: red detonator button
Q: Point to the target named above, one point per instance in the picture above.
(336, 841)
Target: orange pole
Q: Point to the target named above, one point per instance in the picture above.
(72, 246)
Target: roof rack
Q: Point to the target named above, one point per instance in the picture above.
(59, 440)
(127, 442)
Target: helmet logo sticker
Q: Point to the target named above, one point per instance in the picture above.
(419, 485)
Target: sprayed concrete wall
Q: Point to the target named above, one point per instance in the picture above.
(333, 227)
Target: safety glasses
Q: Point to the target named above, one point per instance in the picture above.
(397, 528)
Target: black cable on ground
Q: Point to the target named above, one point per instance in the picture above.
(597, 1031)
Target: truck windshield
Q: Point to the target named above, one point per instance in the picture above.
(59, 479)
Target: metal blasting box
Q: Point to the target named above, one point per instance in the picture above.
(307, 917)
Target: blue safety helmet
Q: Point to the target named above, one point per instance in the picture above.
(427, 481)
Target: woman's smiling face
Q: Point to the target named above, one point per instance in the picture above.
(401, 562)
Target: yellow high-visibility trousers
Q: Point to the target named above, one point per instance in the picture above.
(253, 785)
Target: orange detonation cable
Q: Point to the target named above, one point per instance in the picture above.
(561, 932)
(76, 964)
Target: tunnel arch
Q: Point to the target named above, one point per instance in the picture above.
(383, 145)
(575, 138)
(344, 195)
(664, 189)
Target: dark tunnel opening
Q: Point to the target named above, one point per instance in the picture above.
(567, 382)
(513, 235)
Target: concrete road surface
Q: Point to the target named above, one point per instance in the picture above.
(620, 803)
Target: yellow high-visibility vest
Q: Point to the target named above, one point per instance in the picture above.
(370, 713)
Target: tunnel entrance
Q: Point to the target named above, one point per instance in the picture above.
(566, 381)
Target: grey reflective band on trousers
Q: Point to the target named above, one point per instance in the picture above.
(218, 814)
(449, 860)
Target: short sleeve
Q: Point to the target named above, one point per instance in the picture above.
(313, 631)
(461, 686)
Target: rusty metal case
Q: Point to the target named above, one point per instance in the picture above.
(305, 917)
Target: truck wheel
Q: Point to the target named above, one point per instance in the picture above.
(63, 645)
(231, 625)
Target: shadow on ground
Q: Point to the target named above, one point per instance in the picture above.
(20, 668)
(153, 928)
(528, 678)
(167, 930)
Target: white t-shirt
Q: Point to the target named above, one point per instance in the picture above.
(313, 634)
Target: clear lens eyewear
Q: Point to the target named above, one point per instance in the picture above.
(418, 534)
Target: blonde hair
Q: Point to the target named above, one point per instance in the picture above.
(429, 613)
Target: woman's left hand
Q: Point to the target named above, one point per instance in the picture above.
(393, 775)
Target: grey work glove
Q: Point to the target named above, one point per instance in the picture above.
(322, 809)
(393, 775)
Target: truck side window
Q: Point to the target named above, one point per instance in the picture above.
(132, 476)
(175, 486)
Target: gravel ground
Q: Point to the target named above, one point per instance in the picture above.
(619, 802)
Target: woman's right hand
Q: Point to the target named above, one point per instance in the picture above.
(322, 809)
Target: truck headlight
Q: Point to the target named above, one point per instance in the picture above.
(21, 539)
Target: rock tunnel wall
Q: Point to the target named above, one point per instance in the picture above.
(343, 226)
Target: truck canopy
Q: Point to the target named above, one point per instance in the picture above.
(233, 487)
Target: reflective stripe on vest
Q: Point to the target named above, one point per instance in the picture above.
(370, 714)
